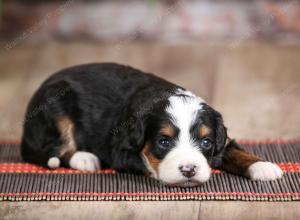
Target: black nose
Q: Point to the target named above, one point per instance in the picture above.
(188, 170)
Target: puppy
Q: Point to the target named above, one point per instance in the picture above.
(131, 121)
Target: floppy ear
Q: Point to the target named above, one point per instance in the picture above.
(128, 141)
(136, 133)
(129, 134)
(221, 133)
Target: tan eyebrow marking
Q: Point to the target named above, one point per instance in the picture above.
(168, 130)
(204, 131)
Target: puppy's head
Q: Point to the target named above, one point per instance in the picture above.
(181, 138)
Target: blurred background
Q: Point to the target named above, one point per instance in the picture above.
(243, 56)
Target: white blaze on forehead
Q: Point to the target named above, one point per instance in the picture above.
(183, 109)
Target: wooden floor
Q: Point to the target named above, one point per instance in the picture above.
(224, 210)
(256, 86)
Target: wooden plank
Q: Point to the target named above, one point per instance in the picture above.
(25, 68)
(257, 90)
(15, 67)
(232, 210)
(207, 210)
(100, 210)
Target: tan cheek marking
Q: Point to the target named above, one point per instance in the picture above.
(204, 131)
(153, 161)
(168, 131)
(66, 128)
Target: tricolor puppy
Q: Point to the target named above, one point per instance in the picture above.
(131, 121)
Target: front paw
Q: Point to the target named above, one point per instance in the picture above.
(264, 171)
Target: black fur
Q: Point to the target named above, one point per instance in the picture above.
(108, 104)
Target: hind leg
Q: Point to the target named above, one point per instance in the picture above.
(48, 137)
(53, 145)
(68, 153)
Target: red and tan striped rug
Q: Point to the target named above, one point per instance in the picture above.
(21, 181)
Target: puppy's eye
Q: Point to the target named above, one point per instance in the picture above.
(164, 142)
(206, 143)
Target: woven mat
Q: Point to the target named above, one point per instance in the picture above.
(21, 181)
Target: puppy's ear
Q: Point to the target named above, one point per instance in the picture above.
(223, 142)
(136, 133)
(128, 141)
(221, 133)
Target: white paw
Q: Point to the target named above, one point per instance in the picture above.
(84, 161)
(264, 171)
(53, 162)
